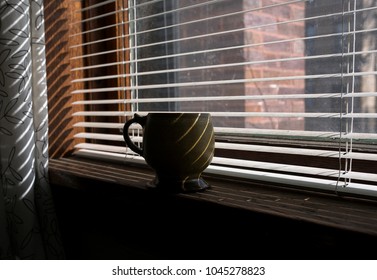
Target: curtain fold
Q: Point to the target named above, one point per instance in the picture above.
(29, 229)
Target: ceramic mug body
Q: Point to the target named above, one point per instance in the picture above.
(178, 146)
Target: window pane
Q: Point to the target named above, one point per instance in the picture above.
(297, 63)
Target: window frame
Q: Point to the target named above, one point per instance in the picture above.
(108, 178)
(61, 134)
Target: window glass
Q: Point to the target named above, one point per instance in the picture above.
(300, 64)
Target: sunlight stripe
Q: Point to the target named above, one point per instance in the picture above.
(190, 128)
(200, 137)
(205, 150)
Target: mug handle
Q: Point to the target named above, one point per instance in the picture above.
(136, 119)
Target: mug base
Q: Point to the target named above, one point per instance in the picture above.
(186, 186)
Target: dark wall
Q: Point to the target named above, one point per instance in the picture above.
(108, 223)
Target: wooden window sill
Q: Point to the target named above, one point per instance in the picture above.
(351, 214)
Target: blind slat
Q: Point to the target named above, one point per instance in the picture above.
(239, 147)
(226, 82)
(246, 114)
(232, 131)
(259, 165)
(225, 98)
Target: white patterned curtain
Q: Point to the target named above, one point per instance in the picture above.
(28, 226)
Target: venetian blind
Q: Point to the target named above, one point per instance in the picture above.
(291, 85)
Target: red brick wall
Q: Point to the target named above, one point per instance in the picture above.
(274, 69)
(255, 53)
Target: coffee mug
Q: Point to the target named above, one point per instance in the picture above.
(177, 146)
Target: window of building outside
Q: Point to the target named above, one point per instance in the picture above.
(291, 85)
